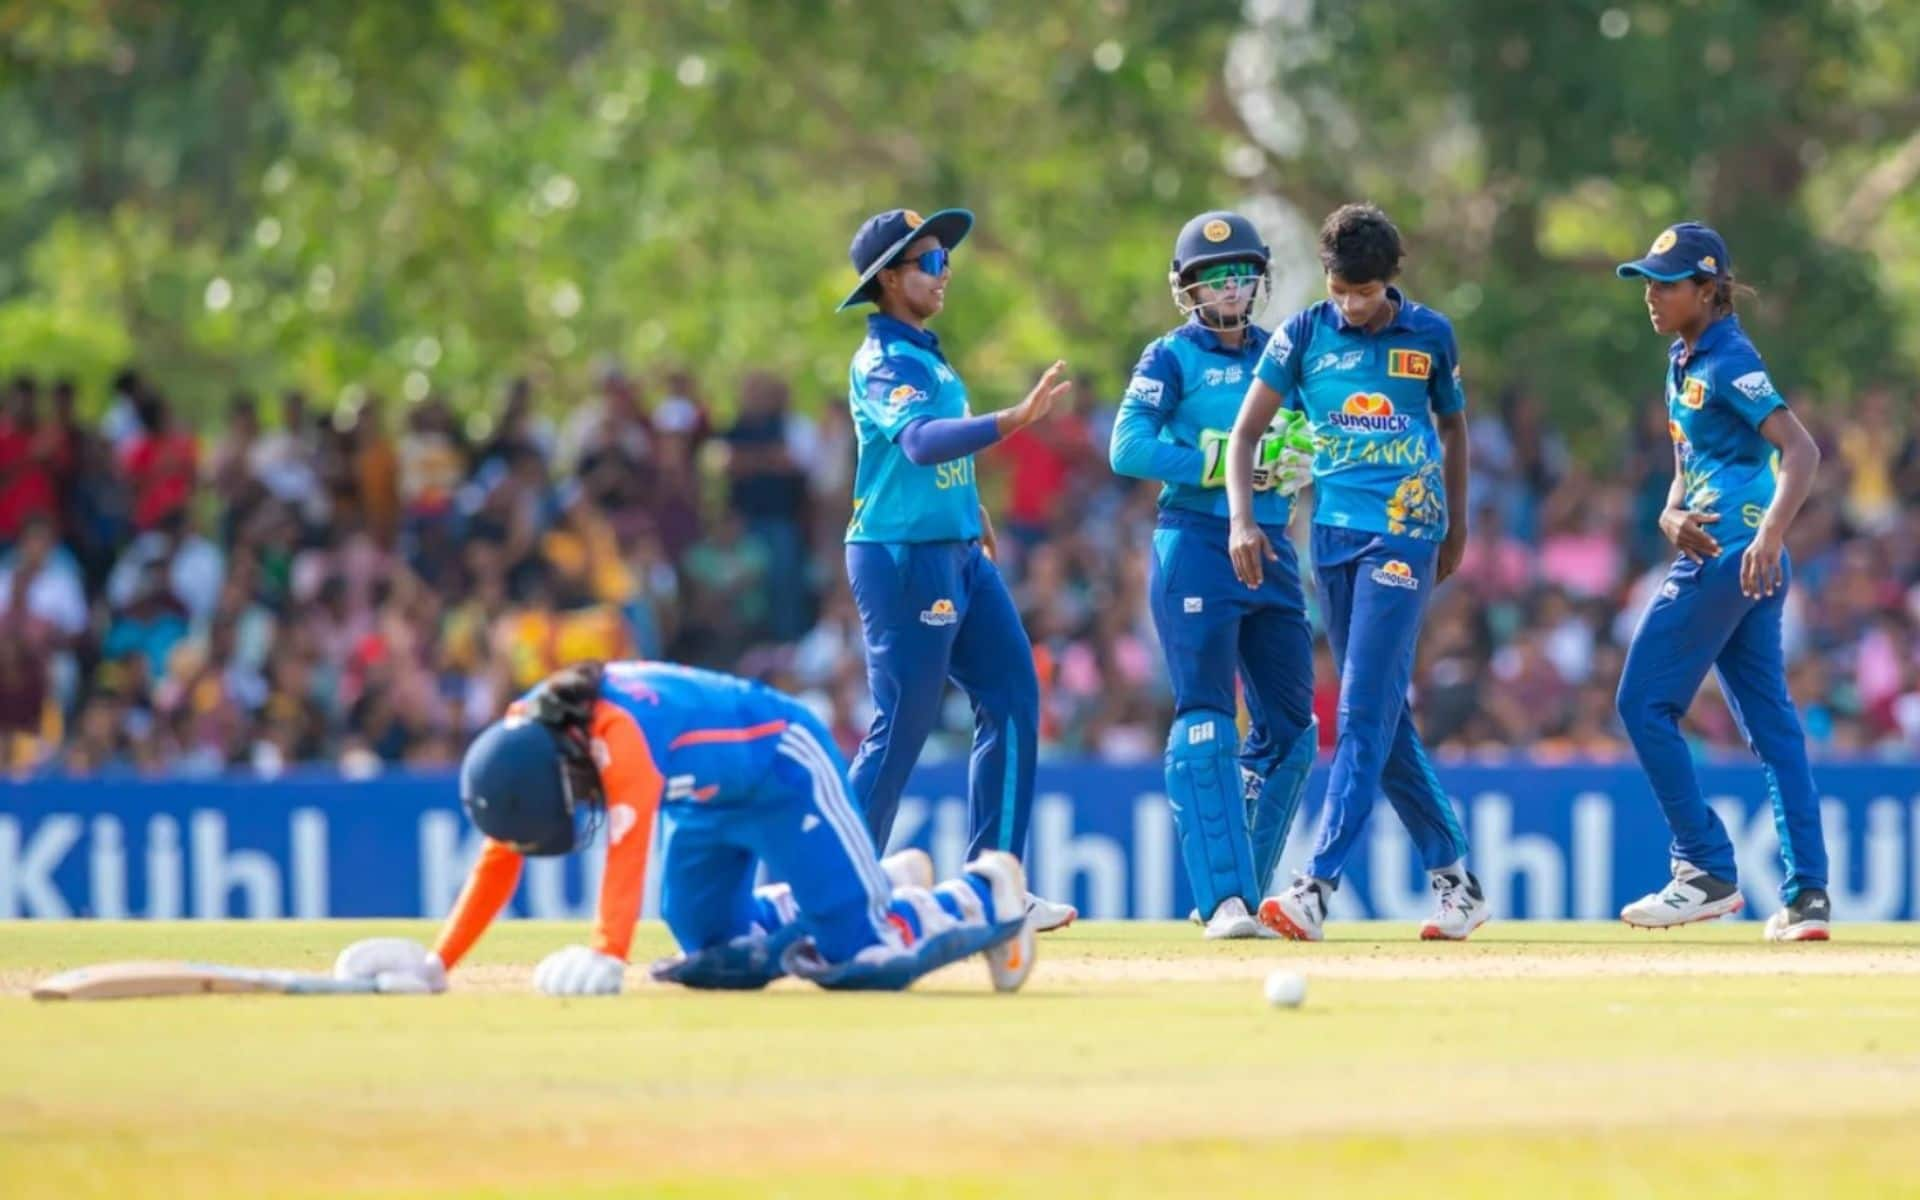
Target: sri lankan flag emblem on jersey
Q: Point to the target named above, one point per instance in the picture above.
(1409, 364)
(1694, 395)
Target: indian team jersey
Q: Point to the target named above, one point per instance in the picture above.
(1371, 399)
(711, 736)
(1185, 393)
(898, 377)
(1717, 398)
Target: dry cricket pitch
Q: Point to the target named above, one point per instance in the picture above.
(1552, 1059)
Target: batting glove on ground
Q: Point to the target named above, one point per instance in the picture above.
(397, 966)
(579, 971)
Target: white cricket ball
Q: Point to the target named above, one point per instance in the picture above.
(1286, 989)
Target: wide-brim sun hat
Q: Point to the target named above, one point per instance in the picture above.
(883, 236)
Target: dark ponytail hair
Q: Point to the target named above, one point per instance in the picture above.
(1727, 292)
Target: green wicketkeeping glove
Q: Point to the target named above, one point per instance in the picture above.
(1213, 451)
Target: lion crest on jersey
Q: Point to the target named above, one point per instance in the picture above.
(1419, 502)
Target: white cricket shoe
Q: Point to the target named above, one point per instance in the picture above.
(1691, 895)
(1462, 907)
(1010, 962)
(1048, 915)
(908, 868)
(1231, 921)
(1299, 913)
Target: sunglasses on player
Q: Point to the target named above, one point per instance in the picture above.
(929, 262)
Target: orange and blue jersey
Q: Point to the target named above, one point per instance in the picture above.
(663, 734)
(1372, 399)
(742, 778)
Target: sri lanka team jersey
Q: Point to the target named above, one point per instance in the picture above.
(1717, 398)
(899, 376)
(1371, 398)
(662, 734)
(1185, 392)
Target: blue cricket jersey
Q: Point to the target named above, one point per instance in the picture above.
(1717, 398)
(1371, 399)
(899, 376)
(1187, 390)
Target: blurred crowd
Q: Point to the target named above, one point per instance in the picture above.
(365, 585)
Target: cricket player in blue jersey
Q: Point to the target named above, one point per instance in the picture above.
(740, 775)
(1378, 377)
(1232, 806)
(1743, 466)
(932, 603)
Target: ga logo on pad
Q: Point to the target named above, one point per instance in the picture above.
(1369, 412)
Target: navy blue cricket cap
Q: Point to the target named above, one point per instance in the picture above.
(1681, 252)
(885, 235)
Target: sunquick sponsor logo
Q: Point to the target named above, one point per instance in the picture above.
(1369, 412)
(1396, 574)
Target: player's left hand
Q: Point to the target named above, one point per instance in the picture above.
(1760, 570)
(989, 541)
(1453, 548)
(579, 971)
(1248, 547)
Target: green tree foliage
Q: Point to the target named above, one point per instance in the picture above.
(1527, 148)
(446, 192)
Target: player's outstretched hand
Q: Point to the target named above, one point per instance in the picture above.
(1040, 401)
(1250, 550)
(1687, 530)
(1760, 572)
(579, 971)
(397, 966)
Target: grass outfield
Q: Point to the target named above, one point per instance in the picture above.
(1562, 1060)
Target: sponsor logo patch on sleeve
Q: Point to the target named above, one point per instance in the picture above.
(1145, 389)
(1755, 385)
(1280, 346)
(905, 395)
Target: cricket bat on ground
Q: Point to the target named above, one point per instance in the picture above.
(132, 980)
